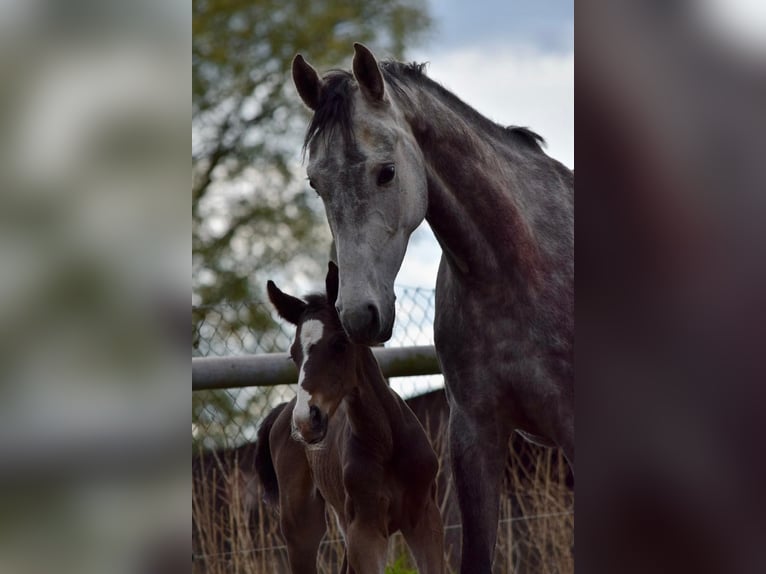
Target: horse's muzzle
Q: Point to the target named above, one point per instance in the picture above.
(314, 429)
(364, 325)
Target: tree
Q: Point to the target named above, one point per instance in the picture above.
(252, 218)
(249, 214)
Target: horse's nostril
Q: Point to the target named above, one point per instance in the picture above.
(315, 416)
(374, 317)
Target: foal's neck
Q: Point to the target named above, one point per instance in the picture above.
(371, 406)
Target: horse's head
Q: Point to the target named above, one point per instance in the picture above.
(369, 171)
(323, 354)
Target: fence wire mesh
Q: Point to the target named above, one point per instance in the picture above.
(234, 532)
(230, 417)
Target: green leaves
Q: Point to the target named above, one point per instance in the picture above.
(400, 566)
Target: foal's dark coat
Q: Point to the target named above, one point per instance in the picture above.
(375, 466)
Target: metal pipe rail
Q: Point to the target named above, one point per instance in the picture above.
(276, 369)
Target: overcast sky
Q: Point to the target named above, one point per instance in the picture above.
(513, 61)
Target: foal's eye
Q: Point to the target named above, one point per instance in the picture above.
(386, 174)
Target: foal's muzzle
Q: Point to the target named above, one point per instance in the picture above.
(314, 429)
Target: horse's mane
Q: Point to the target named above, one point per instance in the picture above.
(335, 104)
(397, 72)
(527, 135)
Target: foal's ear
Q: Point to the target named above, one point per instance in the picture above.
(367, 73)
(307, 82)
(331, 283)
(289, 308)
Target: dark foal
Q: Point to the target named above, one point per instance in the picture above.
(349, 441)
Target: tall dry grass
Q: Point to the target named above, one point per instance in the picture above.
(234, 533)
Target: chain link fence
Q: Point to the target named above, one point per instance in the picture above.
(233, 532)
(230, 417)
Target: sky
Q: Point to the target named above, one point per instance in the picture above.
(513, 61)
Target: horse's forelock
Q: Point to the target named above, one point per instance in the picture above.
(336, 101)
(333, 110)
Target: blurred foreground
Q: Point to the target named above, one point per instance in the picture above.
(671, 286)
(94, 252)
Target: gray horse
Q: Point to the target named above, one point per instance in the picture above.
(389, 147)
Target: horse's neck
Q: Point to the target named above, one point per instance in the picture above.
(476, 191)
(371, 406)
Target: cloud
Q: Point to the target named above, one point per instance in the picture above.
(548, 25)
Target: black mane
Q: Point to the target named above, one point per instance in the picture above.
(395, 72)
(527, 136)
(336, 104)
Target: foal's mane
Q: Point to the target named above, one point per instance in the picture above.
(317, 303)
(336, 104)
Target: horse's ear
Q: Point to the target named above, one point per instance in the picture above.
(307, 82)
(289, 308)
(367, 73)
(331, 282)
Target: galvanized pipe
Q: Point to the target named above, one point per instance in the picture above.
(276, 368)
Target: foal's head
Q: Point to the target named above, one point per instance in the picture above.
(323, 354)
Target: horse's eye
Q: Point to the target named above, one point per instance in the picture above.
(386, 174)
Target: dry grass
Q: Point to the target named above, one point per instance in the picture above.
(535, 534)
